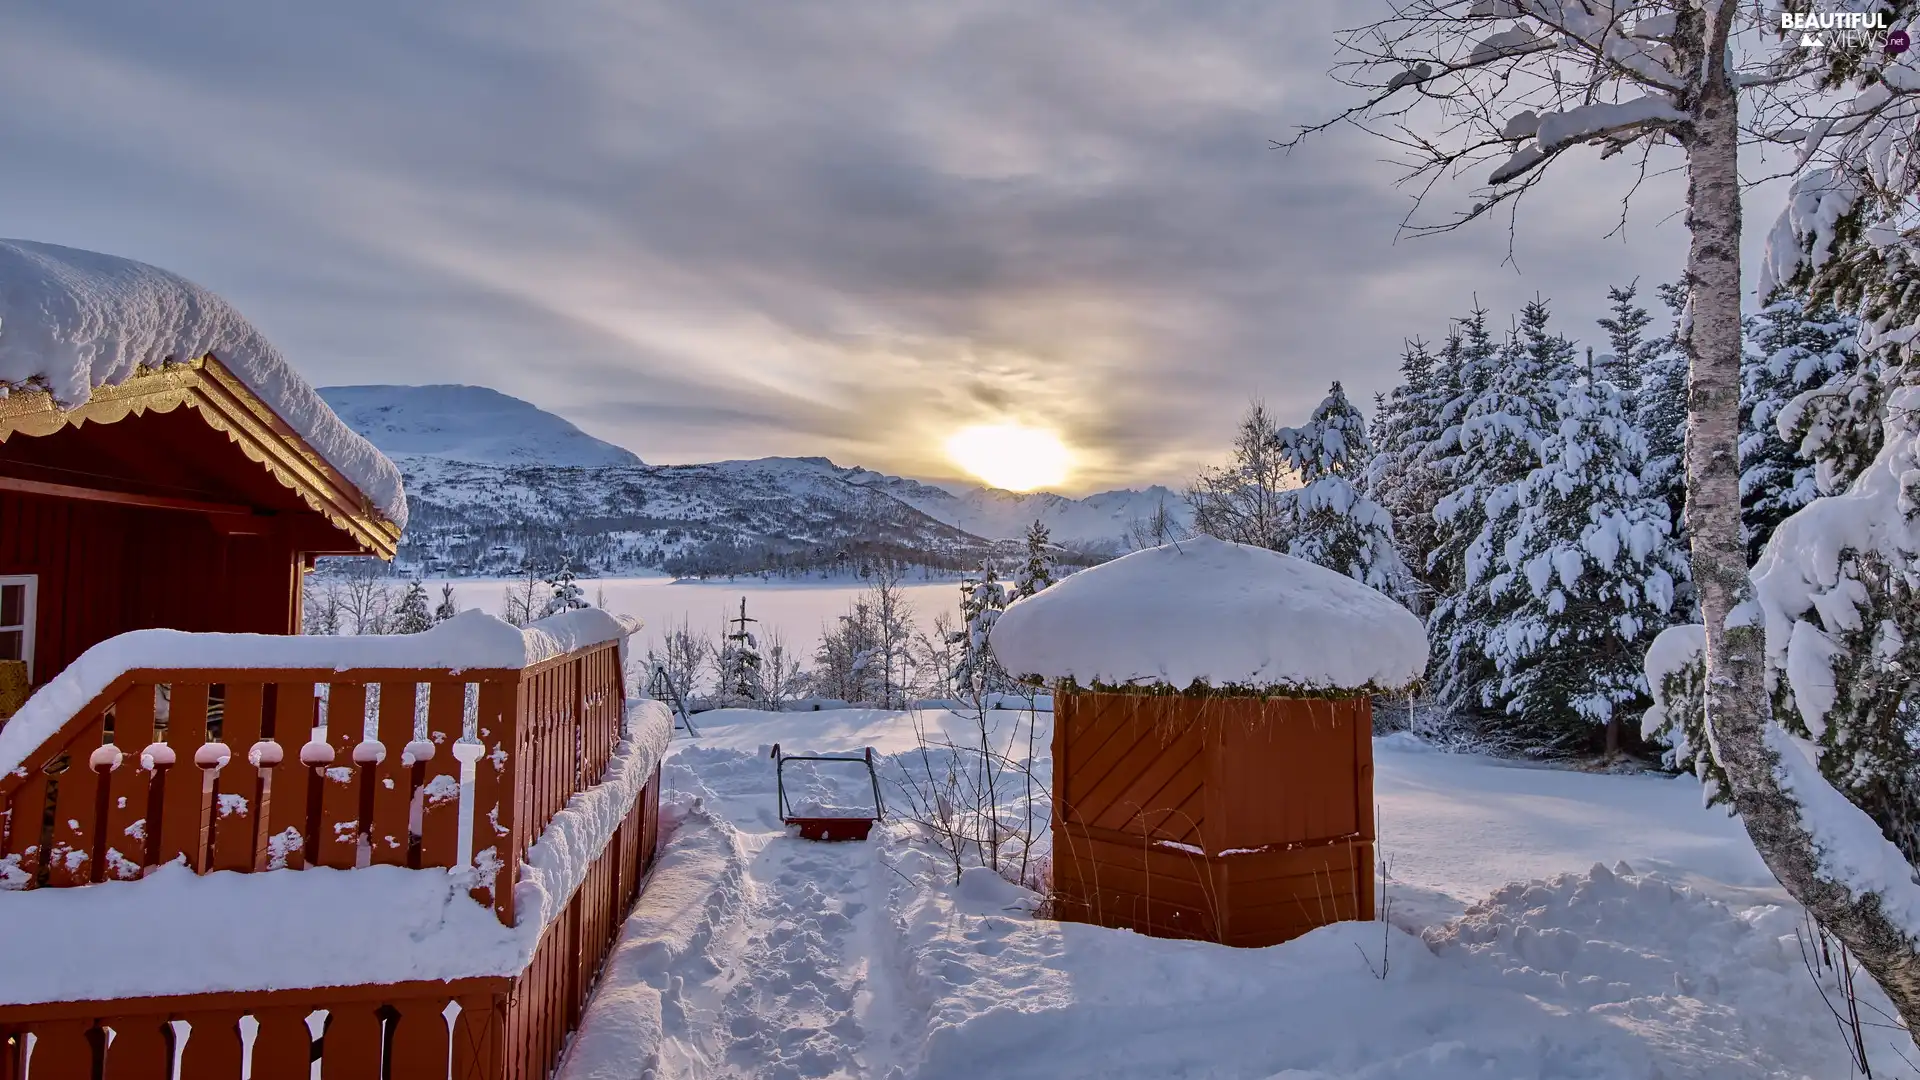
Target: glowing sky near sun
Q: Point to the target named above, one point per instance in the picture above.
(1012, 456)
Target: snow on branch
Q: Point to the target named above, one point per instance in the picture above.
(1587, 123)
(1509, 84)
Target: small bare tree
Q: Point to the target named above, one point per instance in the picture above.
(893, 635)
(1153, 530)
(974, 799)
(679, 658)
(1517, 85)
(527, 595)
(319, 604)
(366, 597)
(781, 677)
(1244, 501)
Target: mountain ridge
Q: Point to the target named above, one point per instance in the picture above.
(498, 484)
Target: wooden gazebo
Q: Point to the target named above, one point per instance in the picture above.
(1212, 741)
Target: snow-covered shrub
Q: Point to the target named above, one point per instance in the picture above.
(982, 598)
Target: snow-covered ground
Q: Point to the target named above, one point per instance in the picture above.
(1640, 937)
(796, 609)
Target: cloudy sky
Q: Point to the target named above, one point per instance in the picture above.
(730, 229)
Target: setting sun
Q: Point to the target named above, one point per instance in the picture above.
(1011, 456)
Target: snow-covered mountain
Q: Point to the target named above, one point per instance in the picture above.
(467, 423)
(1095, 520)
(493, 481)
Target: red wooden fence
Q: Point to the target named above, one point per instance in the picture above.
(473, 1029)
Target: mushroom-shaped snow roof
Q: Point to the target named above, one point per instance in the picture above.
(72, 321)
(1215, 613)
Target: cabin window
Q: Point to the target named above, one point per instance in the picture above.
(16, 619)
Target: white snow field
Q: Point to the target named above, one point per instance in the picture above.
(1544, 924)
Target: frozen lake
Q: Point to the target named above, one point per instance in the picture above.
(797, 610)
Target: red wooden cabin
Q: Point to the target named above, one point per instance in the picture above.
(165, 479)
(176, 499)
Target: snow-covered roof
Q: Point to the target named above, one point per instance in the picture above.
(72, 321)
(177, 932)
(1216, 613)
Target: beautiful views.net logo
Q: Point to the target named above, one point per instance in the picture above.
(1845, 30)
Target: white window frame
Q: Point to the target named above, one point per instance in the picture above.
(29, 610)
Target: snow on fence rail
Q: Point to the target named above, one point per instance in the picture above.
(295, 752)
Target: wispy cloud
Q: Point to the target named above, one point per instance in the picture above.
(732, 228)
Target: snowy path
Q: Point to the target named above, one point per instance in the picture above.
(755, 954)
(785, 969)
(786, 1005)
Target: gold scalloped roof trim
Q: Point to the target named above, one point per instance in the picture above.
(227, 406)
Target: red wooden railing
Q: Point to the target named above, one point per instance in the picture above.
(248, 770)
(252, 770)
(473, 1029)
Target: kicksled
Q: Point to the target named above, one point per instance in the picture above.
(828, 827)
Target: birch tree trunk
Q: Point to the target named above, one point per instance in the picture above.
(1738, 712)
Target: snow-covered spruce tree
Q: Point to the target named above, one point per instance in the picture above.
(982, 598)
(1037, 570)
(1456, 666)
(1584, 581)
(1402, 477)
(563, 592)
(1242, 501)
(1789, 351)
(1490, 450)
(447, 608)
(411, 615)
(1328, 520)
(1525, 81)
(1660, 414)
(740, 667)
(1629, 345)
